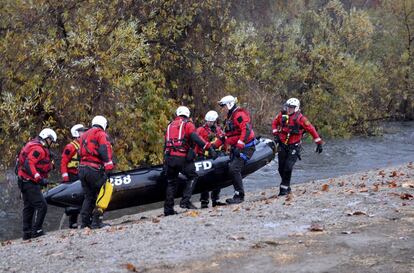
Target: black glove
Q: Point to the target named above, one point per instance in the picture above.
(277, 139)
(236, 152)
(212, 153)
(319, 148)
(43, 182)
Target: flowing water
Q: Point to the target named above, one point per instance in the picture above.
(339, 157)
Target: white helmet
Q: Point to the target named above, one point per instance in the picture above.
(48, 133)
(211, 116)
(229, 101)
(183, 111)
(100, 121)
(75, 130)
(293, 102)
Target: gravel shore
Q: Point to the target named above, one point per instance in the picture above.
(355, 223)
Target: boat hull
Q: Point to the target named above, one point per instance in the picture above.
(147, 185)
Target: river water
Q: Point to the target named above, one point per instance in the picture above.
(339, 157)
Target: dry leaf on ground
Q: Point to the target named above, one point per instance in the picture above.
(325, 187)
(130, 267)
(358, 212)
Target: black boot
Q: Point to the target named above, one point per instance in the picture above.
(38, 233)
(187, 205)
(170, 212)
(217, 203)
(73, 221)
(27, 236)
(284, 190)
(97, 218)
(204, 204)
(237, 199)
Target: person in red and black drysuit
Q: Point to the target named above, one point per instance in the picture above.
(95, 163)
(240, 137)
(211, 132)
(179, 156)
(288, 128)
(33, 166)
(69, 168)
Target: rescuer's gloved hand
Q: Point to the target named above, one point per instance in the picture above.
(236, 152)
(319, 148)
(212, 153)
(43, 182)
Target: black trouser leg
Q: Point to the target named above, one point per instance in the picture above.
(169, 196)
(215, 194)
(235, 167)
(92, 181)
(287, 158)
(188, 169)
(204, 197)
(188, 191)
(35, 207)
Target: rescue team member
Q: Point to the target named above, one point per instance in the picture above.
(240, 136)
(33, 166)
(288, 128)
(179, 157)
(95, 163)
(211, 132)
(69, 168)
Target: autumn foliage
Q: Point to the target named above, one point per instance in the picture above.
(62, 62)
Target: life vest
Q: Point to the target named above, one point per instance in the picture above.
(175, 139)
(43, 166)
(290, 124)
(74, 161)
(233, 131)
(89, 147)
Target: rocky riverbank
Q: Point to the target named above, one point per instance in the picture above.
(356, 223)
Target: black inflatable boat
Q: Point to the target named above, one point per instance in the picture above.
(147, 185)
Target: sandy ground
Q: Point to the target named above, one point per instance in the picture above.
(357, 223)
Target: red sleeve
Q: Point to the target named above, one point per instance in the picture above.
(202, 133)
(35, 155)
(304, 122)
(276, 123)
(189, 128)
(67, 155)
(241, 119)
(107, 147)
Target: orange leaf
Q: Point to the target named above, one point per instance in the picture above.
(363, 190)
(325, 187)
(406, 196)
(130, 267)
(394, 174)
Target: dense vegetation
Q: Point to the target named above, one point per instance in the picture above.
(62, 62)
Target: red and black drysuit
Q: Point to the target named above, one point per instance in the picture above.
(34, 165)
(214, 135)
(180, 138)
(70, 173)
(240, 137)
(288, 131)
(95, 162)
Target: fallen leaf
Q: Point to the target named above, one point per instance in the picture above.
(325, 187)
(363, 190)
(155, 220)
(352, 213)
(236, 238)
(406, 196)
(407, 185)
(341, 183)
(361, 185)
(375, 187)
(392, 184)
(289, 197)
(263, 193)
(347, 232)
(5, 243)
(267, 202)
(394, 174)
(247, 208)
(130, 267)
(237, 208)
(193, 213)
(316, 227)
(382, 173)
